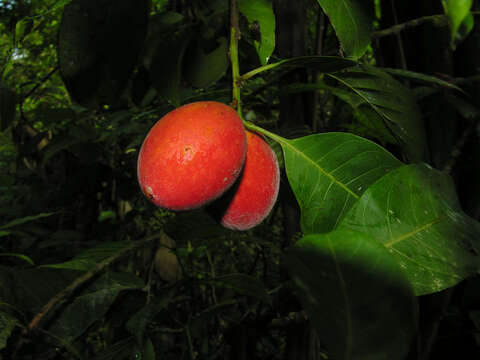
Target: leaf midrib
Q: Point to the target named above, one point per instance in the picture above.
(413, 232)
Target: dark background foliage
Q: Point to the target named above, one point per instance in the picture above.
(83, 271)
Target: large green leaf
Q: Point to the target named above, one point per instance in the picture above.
(262, 21)
(329, 172)
(356, 295)
(414, 212)
(352, 21)
(98, 46)
(392, 101)
(457, 12)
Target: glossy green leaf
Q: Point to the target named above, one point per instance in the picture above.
(356, 295)
(262, 23)
(88, 259)
(322, 64)
(457, 11)
(393, 102)
(98, 46)
(414, 212)
(329, 172)
(202, 68)
(8, 105)
(352, 22)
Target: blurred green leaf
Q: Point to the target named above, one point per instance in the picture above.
(393, 102)
(148, 350)
(262, 24)
(352, 22)
(20, 256)
(242, 284)
(92, 304)
(22, 27)
(329, 172)
(24, 220)
(8, 323)
(414, 212)
(123, 349)
(457, 11)
(204, 68)
(166, 66)
(137, 324)
(356, 295)
(98, 46)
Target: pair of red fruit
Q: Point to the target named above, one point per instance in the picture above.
(200, 152)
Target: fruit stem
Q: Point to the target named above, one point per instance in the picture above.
(260, 130)
(234, 36)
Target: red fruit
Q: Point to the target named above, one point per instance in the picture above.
(257, 188)
(192, 155)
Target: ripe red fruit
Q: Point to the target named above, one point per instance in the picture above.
(192, 155)
(257, 188)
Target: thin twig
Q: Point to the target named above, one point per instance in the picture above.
(436, 20)
(457, 150)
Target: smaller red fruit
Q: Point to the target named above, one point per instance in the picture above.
(257, 188)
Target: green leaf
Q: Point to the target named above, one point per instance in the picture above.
(242, 284)
(8, 323)
(414, 212)
(329, 172)
(393, 102)
(457, 11)
(24, 220)
(356, 295)
(8, 105)
(203, 69)
(323, 64)
(98, 45)
(352, 22)
(262, 21)
(88, 259)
